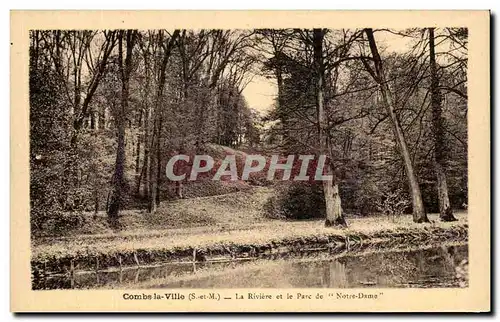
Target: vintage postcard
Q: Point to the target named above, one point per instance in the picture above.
(250, 161)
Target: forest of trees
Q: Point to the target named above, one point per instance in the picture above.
(109, 108)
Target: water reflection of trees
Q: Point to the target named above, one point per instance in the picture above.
(443, 266)
(420, 268)
(404, 269)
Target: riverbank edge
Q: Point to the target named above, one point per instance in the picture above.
(335, 242)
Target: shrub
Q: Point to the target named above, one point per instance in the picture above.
(393, 203)
(297, 200)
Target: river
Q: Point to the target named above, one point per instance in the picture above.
(444, 266)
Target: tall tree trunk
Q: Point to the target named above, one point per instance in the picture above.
(419, 214)
(146, 159)
(200, 111)
(445, 211)
(334, 215)
(155, 142)
(138, 168)
(101, 118)
(138, 147)
(152, 171)
(93, 124)
(144, 174)
(158, 162)
(281, 104)
(118, 177)
(179, 189)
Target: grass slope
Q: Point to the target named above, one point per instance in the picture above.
(232, 219)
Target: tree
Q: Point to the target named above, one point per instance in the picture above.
(111, 105)
(71, 53)
(120, 116)
(155, 152)
(48, 142)
(334, 216)
(277, 41)
(419, 214)
(445, 211)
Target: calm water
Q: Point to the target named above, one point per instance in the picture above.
(444, 266)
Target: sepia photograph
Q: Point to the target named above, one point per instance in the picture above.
(173, 159)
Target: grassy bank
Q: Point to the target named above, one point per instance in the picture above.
(235, 227)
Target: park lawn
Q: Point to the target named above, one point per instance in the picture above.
(233, 219)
